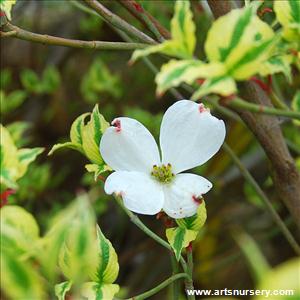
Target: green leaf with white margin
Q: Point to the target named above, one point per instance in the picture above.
(61, 289)
(20, 280)
(277, 64)
(25, 157)
(288, 15)
(6, 6)
(223, 85)
(176, 72)
(183, 41)
(284, 277)
(19, 230)
(14, 162)
(179, 238)
(97, 169)
(75, 136)
(195, 222)
(70, 240)
(85, 137)
(79, 251)
(107, 267)
(241, 41)
(296, 105)
(96, 291)
(91, 135)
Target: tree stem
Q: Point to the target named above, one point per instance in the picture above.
(189, 285)
(285, 231)
(175, 286)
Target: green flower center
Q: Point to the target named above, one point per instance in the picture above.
(163, 173)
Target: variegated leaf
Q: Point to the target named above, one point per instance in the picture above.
(183, 41)
(20, 279)
(241, 41)
(195, 222)
(107, 267)
(19, 230)
(288, 15)
(91, 135)
(79, 251)
(176, 72)
(6, 6)
(25, 157)
(97, 169)
(85, 137)
(96, 291)
(61, 289)
(179, 238)
(223, 85)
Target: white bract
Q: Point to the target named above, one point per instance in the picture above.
(189, 137)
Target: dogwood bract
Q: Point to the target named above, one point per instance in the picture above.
(189, 136)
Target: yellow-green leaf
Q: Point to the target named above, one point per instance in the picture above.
(97, 169)
(179, 238)
(296, 105)
(19, 230)
(96, 291)
(176, 72)
(6, 6)
(183, 28)
(19, 279)
(277, 64)
(91, 135)
(288, 15)
(284, 277)
(223, 85)
(61, 289)
(107, 267)
(183, 41)
(195, 222)
(25, 157)
(79, 251)
(258, 264)
(76, 129)
(86, 135)
(241, 41)
(14, 162)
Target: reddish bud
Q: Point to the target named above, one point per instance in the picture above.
(4, 196)
(264, 86)
(189, 248)
(264, 11)
(117, 123)
(138, 7)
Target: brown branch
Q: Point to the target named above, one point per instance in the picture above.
(146, 19)
(285, 175)
(119, 23)
(22, 34)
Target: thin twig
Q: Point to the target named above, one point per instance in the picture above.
(22, 34)
(246, 174)
(119, 23)
(135, 219)
(140, 14)
(159, 287)
(241, 104)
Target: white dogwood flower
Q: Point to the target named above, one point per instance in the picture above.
(189, 137)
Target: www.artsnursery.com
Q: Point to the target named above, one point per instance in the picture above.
(231, 292)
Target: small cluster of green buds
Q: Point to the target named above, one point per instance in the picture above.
(163, 173)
